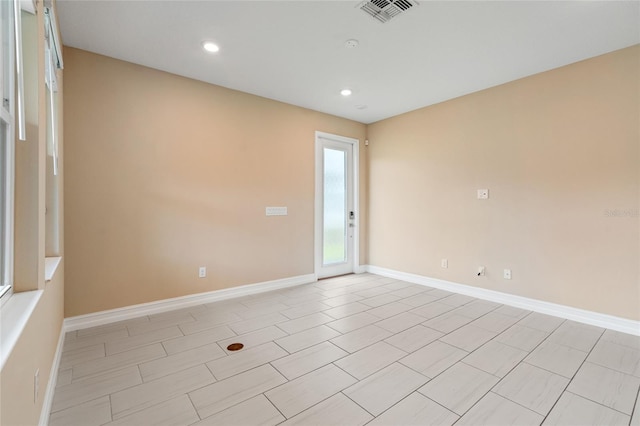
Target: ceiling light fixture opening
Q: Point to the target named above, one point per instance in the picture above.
(210, 47)
(346, 92)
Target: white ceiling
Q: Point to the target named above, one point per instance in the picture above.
(293, 51)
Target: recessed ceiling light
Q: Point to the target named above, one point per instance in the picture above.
(346, 92)
(210, 46)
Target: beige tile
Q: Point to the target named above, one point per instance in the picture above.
(415, 409)
(542, 322)
(335, 411)
(532, 387)
(118, 361)
(361, 338)
(433, 359)
(521, 337)
(227, 393)
(414, 338)
(400, 322)
(419, 299)
(431, 310)
(379, 300)
(495, 358)
(207, 321)
(512, 311)
(92, 413)
(372, 292)
(136, 398)
(383, 389)
(255, 411)
(260, 310)
(353, 322)
(299, 394)
(468, 337)
(605, 386)
(178, 313)
(77, 356)
(346, 310)
(625, 359)
(459, 388)
(128, 343)
(457, 300)
(370, 360)
(247, 326)
(495, 322)
(174, 412)
(307, 338)
(107, 328)
(64, 377)
(184, 343)
(389, 310)
(304, 323)
(446, 323)
(309, 359)
(304, 310)
(575, 335)
(91, 340)
(342, 300)
(165, 322)
(180, 361)
(94, 387)
(476, 309)
(635, 417)
(245, 359)
(572, 409)
(440, 294)
(622, 339)
(409, 291)
(495, 410)
(556, 358)
(254, 338)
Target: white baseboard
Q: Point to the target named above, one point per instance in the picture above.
(580, 315)
(51, 385)
(128, 312)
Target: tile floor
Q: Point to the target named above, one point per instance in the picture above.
(353, 350)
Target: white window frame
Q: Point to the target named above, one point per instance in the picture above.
(7, 116)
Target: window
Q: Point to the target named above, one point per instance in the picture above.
(7, 131)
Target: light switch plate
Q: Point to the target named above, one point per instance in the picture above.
(276, 211)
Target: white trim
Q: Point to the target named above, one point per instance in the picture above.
(14, 315)
(580, 315)
(50, 266)
(128, 312)
(355, 143)
(53, 379)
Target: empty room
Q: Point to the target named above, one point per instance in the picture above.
(381, 212)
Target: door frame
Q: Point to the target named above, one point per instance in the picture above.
(317, 243)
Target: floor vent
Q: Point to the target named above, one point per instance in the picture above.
(384, 10)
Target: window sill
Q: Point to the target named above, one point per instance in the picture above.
(14, 315)
(50, 266)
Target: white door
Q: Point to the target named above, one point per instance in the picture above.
(336, 214)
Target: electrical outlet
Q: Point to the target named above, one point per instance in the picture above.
(202, 272)
(483, 194)
(444, 263)
(36, 385)
(507, 274)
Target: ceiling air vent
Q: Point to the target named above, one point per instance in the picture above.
(384, 10)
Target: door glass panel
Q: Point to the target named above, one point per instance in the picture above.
(335, 216)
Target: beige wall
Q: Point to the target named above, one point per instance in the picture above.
(164, 174)
(558, 151)
(34, 350)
